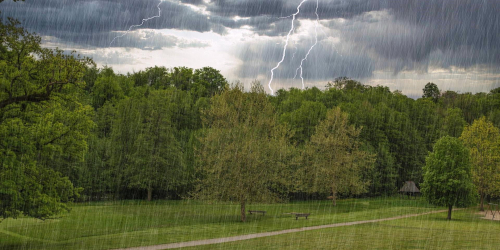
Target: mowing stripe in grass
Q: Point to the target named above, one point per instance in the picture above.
(259, 235)
(27, 238)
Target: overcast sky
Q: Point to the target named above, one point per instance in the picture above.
(402, 44)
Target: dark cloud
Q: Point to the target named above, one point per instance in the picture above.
(87, 19)
(390, 35)
(248, 8)
(278, 8)
(193, 2)
(92, 23)
(467, 27)
(263, 16)
(463, 33)
(416, 35)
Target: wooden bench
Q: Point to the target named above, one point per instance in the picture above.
(255, 212)
(297, 215)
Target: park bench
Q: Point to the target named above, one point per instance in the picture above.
(297, 215)
(255, 212)
(492, 209)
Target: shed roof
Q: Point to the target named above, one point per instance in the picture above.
(409, 187)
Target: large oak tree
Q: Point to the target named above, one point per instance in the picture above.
(43, 124)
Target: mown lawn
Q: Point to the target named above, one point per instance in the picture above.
(106, 225)
(466, 231)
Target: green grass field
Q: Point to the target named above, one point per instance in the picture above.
(106, 225)
(466, 231)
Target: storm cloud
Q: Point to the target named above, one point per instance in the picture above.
(95, 23)
(356, 38)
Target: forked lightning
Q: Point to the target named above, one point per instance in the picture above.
(138, 25)
(286, 45)
(292, 29)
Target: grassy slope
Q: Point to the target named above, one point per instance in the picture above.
(465, 231)
(106, 225)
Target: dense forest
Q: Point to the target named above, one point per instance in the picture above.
(72, 131)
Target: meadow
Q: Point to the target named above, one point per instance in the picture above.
(466, 231)
(108, 225)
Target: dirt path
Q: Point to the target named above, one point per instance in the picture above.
(266, 234)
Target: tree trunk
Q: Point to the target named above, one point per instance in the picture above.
(334, 196)
(481, 207)
(150, 193)
(243, 212)
(449, 211)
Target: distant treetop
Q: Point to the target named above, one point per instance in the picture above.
(431, 90)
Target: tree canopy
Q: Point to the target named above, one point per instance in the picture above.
(243, 152)
(43, 125)
(448, 175)
(431, 90)
(333, 162)
(483, 141)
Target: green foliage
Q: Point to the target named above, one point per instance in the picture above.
(454, 122)
(28, 190)
(431, 90)
(495, 91)
(483, 141)
(33, 74)
(388, 125)
(145, 153)
(448, 175)
(204, 82)
(106, 88)
(332, 161)
(182, 78)
(244, 151)
(346, 84)
(384, 174)
(304, 119)
(427, 121)
(207, 82)
(90, 76)
(43, 126)
(156, 161)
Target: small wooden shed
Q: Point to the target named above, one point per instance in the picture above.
(410, 189)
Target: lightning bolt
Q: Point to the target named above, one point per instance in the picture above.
(138, 25)
(296, 48)
(286, 45)
(309, 51)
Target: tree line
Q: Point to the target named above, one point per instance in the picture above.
(72, 131)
